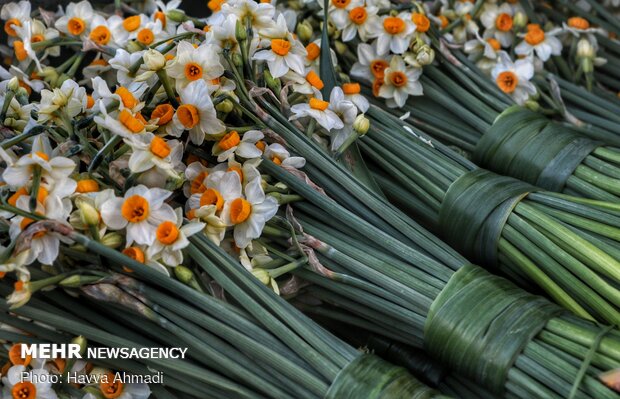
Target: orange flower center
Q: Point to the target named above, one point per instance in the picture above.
(15, 355)
(535, 36)
(132, 23)
(146, 36)
(313, 51)
(24, 390)
(161, 17)
(351, 88)
(230, 140)
(20, 50)
(126, 96)
(135, 209)
(494, 43)
(9, 26)
(320, 105)
(377, 68)
(240, 210)
(215, 5)
(358, 15)
(261, 145)
(398, 78)
(100, 35)
(275, 159)
(167, 233)
(507, 81)
(164, 114)
(130, 122)
(503, 22)
(280, 46)
(76, 26)
(99, 62)
(188, 115)
(134, 253)
(578, 23)
(111, 389)
(90, 101)
(160, 147)
(197, 185)
(212, 197)
(341, 3)
(393, 25)
(314, 80)
(421, 22)
(193, 71)
(37, 38)
(87, 186)
(444, 21)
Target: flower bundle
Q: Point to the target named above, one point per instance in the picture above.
(150, 168)
(478, 42)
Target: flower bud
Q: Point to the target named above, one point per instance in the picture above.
(425, 55)
(22, 96)
(112, 240)
(77, 281)
(133, 46)
(585, 49)
(240, 32)
(176, 15)
(183, 274)
(225, 106)
(341, 48)
(237, 59)
(13, 84)
(88, 214)
(262, 275)
(304, 31)
(532, 105)
(83, 342)
(361, 125)
(154, 60)
(519, 20)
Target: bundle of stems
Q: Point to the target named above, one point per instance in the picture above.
(565, 245)
(417, 362)
(375, 262)
(260, 347)
(473, 124)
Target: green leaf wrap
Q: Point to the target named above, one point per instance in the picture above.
(371, 377)
(475, 209)
(479, 323)
(532, 148)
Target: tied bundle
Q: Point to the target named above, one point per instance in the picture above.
(563, 244)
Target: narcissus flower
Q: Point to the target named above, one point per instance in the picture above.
(285, 52)
(514, 77)
(196, 112)
(171, 239)
(393, 33)
(140, 211)
(192, 64)
(537, 41)
(242, 146)
(370, 64)
(37, 384)
(319, 111)
(280, 156)
(498, 23)
(400, 82)
(77, 19)
(14, 15)
(250, 214)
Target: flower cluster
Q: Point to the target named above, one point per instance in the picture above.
(147, 144)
